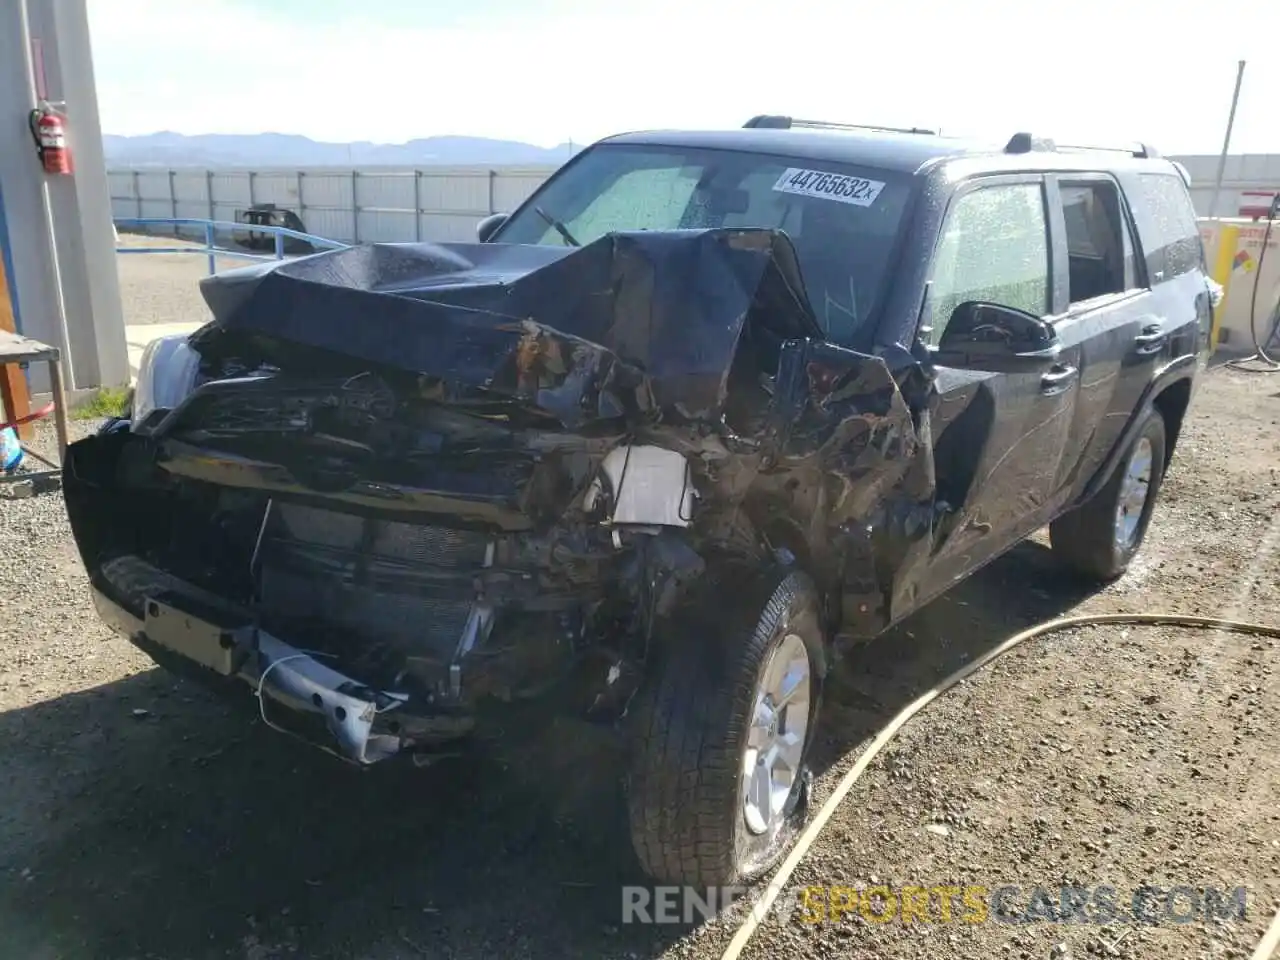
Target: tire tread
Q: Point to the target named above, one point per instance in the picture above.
(688, 724)
(1084, 537)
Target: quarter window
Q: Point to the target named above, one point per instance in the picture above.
(994, 248)
(1173, 247)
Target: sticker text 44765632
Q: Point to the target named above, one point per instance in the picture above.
(840, 187)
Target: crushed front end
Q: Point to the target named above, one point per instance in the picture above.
(395, 613)
(404, 493)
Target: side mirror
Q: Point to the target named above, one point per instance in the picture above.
(990, 336)
(487, 227)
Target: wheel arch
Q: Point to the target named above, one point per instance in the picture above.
(720, 589)
(1172, 402)
(1169, 392)
(783, 532)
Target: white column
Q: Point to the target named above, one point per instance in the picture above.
(60, 233)
(34, 283)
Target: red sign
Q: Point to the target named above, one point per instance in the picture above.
(1256, 204)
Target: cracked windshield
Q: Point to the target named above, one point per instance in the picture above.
(842, 220)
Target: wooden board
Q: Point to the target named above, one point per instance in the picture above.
(15, 400)
(15, 348)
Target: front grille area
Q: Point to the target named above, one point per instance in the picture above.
(424, 625)
(438, 546)
(326, 528)
(323, 564)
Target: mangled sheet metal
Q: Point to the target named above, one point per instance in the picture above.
(628, 325)
(702, 341)
(407, 453)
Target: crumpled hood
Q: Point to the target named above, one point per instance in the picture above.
(628, 322)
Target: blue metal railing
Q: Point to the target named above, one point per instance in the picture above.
(210, 227)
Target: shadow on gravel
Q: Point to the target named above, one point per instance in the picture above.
(872, 683)
(193, 832)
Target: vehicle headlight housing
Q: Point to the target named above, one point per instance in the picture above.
(166, 377)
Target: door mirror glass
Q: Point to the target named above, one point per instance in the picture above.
(487, 227)
(991, 336)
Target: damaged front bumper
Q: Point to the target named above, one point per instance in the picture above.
(197, 635)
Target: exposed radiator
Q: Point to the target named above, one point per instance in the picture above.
(440, 546)
(418, 618)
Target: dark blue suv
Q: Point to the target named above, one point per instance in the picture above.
(703, 407)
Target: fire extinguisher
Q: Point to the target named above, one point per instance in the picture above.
(50, 132)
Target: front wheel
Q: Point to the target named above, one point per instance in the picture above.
(718, 787)
(1101, 536)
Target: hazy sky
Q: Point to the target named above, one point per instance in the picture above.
(546, 71)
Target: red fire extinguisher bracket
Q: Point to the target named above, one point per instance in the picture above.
(49, 129)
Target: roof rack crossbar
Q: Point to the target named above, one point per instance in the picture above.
(1025, 143)
(788, 123)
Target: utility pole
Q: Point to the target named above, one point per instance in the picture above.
(1226, 141)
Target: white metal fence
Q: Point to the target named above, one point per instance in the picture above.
(433, 203)
(1242, 173)
(444, 203)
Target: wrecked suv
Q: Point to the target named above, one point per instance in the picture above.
(704, 408)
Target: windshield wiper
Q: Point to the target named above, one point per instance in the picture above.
(559, 227)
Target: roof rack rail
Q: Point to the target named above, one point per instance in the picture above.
(1143, 151)
(770, 122)
(1026, 143)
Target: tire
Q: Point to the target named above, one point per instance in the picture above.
(692, 721)
(1090, 538)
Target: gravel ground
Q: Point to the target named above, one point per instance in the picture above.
(141, 817)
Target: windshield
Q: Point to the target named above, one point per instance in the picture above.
(842, 219)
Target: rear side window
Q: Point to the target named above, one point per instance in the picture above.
(1099, 251)
(1173, 246)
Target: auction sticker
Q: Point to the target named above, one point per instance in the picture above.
(829, 186)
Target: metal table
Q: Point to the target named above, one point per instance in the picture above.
(19, 350)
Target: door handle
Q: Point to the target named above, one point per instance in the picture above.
(1058, 378)
(1151, 339)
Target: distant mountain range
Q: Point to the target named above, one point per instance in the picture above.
(289, 150)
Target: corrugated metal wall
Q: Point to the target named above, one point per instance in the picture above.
(1250, 171)
(379, 204)
(349, 205)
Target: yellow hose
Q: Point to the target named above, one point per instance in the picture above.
(1270, 940)
(761, 909)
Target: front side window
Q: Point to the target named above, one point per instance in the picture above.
(994, 248)
(842, 219)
